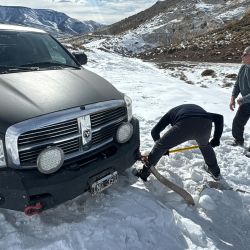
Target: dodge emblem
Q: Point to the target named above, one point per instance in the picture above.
(86, 133)
(85, 129)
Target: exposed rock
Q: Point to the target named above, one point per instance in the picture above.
(231, 76)
(208, 72)
(227, 84)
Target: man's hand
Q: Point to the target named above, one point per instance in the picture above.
(214, 142)
(232, 103)
(166, 153)
(239, 101)
(144, 158)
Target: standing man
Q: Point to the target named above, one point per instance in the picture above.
(189, 122)
(241, 86)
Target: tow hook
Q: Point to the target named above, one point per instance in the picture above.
(33, 209)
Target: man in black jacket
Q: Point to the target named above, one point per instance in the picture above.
(189, 122)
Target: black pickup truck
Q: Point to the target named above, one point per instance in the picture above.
(63, 129)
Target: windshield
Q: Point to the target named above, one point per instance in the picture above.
(19, 49)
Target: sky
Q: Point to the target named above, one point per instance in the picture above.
(102, 11)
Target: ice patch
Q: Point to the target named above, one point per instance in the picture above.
(207, 203)
(196, 176)
(192, 230)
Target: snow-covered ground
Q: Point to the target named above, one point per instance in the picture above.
(135, 215)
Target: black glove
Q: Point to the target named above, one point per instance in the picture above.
(143, 173)
(215, 142)
(166, 153)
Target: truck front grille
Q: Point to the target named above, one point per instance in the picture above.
(101, 118)
(64, 135)
(67, 135)
(108, 121)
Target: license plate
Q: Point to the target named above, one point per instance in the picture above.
(103, 183)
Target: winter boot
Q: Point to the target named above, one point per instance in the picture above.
(247, 154)
(215, 176)
(236, 143)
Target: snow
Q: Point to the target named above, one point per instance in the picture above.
(236, 13)
(180, 18)
(136, 215)
(207, 202)
(130, 41)
(204, 7)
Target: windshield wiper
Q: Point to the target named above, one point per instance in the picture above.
(49, 64)
(5, 68)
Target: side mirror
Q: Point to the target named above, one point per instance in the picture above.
(80, 57)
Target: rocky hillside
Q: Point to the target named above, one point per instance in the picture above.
(52, 21)
(171, 21)
(221, 45)
(138, 19)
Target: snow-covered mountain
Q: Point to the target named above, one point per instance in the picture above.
(49, 20)
(172, 21)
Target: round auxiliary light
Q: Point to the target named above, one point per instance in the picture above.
(124, 132)
(50, 160)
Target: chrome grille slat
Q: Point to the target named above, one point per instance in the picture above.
(35, 150)
(104, 134)
(69, 143)
(113, 123)
(104, 114)
(113, 110)
(101, 121)
(98, 119)
(96, 141)
(48, 131)
(48, 142)
(53, 126)
(103, 131)
(104, 121)
(40, 140)
(101, 138)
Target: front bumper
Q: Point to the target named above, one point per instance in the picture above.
(22, 188)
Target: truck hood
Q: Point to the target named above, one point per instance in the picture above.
(26, 95)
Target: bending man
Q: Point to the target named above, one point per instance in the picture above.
(189, 122)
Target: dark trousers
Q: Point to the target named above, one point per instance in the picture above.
(198, 129)
(240, 120)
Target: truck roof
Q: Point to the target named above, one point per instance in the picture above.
(20, 28)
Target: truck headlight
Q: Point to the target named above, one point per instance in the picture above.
(124, 132)
(128, 102)
(2, 157)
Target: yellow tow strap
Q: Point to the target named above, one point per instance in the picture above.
(183, 149)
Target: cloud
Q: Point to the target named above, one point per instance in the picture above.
(103, 11)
